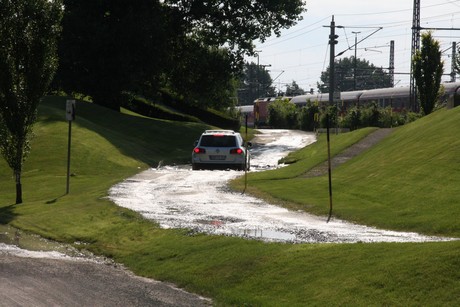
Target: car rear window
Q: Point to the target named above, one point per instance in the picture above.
(218, 141)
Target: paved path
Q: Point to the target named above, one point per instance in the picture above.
(349, 153)
(59, 282)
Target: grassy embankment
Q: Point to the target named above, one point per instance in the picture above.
(399, 182)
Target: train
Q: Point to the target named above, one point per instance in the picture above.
(397, 98)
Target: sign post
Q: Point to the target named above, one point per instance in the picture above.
(70, 116)
(329, 168)
(246, 156)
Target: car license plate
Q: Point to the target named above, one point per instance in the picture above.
(217, 157)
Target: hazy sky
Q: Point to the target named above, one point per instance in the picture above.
(301, 53)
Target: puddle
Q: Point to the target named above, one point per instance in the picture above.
(20, 243)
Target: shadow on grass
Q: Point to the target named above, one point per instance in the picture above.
(141, 138)
(7, 214)
(53, 201)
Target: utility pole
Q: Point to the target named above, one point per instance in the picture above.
(454, 58)
(332, 42)
(355, 60)
(415, 48)
(258, 76)
(391, 68)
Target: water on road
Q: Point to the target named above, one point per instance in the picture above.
(177, 197)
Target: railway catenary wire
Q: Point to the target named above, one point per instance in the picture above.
(397, 98)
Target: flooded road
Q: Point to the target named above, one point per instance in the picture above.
(177, 197)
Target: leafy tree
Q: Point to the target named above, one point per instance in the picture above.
(428, 69)
(352, 119)
(29, 30)
(236, 23)
(309, 116)
(282, 114)
(370, 116)
(113, 45)
(332, 112)
(368, 76)
(255, 82)
(294, 89)
(211, 83)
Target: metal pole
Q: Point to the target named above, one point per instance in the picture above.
(68, 157)
(329, 168)
(454, 58)
(331, 62)
(246, 157)
(332, 42)
(258, 76)
(355, 62)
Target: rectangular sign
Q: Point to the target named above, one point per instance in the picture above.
(70, 110)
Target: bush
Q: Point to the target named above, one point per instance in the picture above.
(352, 119)
(389, 119)
(409, 117)
(332, 111)
(370, 116)
(373, 116)
(308, 116)
(282, 114)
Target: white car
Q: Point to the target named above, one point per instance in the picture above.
(220, 149)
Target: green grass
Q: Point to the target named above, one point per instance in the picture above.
(409, 181)
(108, 147)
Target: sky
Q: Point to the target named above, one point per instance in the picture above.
(301, 53)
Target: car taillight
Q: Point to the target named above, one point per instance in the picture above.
(198, 150)
(237, 151)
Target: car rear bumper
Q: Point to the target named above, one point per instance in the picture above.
(211, 165)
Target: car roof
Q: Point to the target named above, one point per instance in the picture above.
(228, 132)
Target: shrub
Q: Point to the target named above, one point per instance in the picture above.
(282, 114)
(389, 118)
(308, 117)
(332, 111)
(352, 119)
(370, 115)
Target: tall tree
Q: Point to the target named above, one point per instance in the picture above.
(29, 30)
(294, 89)
(236, 23)
(366, 76)
(428, 69)
(112, 45)
(254, 82)
(210, 82)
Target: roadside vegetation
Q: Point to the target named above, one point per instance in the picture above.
(285, 115)
(407, 182)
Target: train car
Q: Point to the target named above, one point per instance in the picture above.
(397, 98)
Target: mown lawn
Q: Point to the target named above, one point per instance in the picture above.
(108, 147)
(409, 181)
